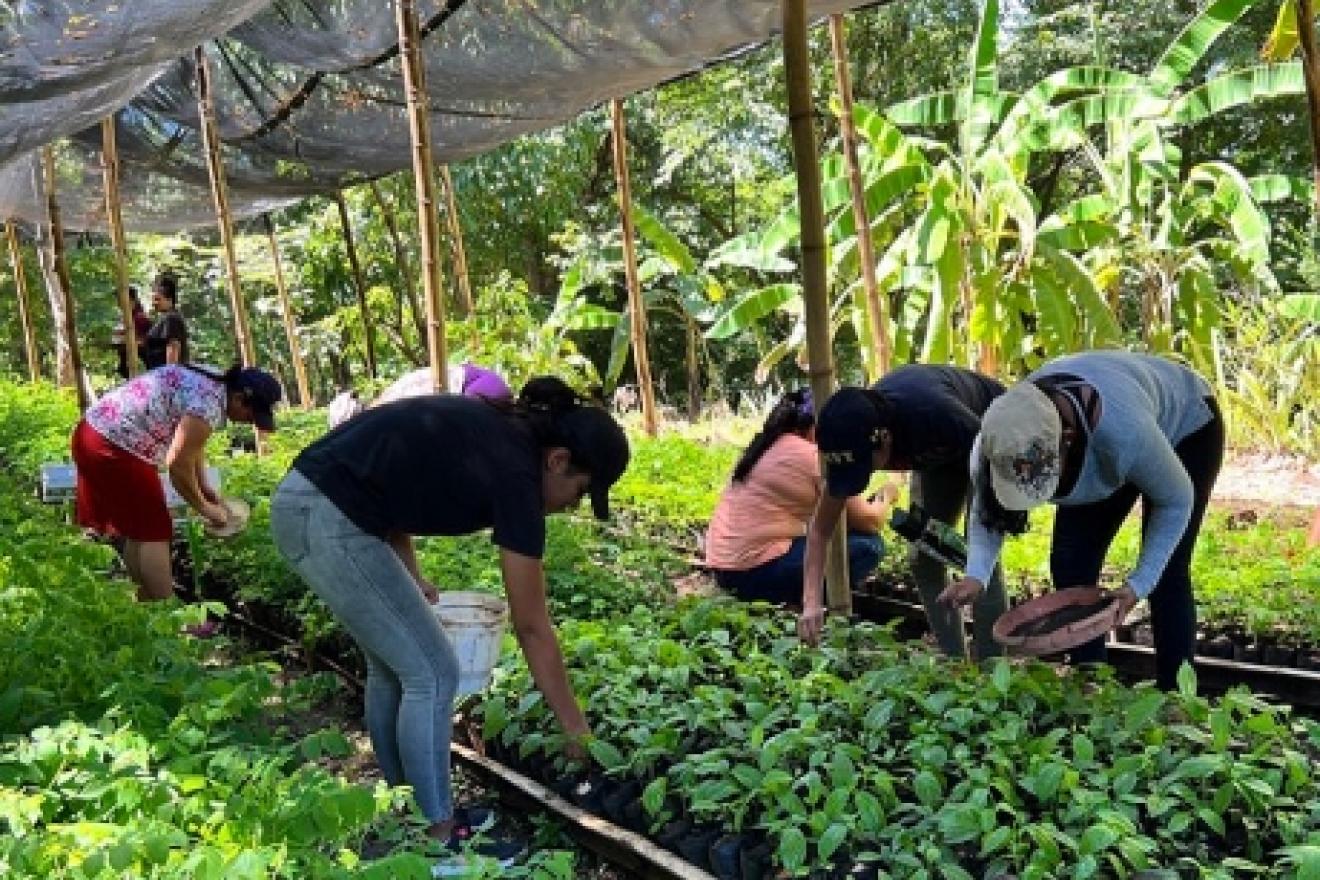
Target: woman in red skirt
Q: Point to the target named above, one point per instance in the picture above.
(163, 417)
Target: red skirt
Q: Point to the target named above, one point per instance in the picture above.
(118, 494)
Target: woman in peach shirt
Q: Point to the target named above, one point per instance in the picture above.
(757, 535)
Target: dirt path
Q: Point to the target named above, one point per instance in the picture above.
(1276, 480)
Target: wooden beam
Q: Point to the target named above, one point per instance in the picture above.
(359, 283)
(636, 307)
(627, 849)
(404, 263)
(815, 294)
(876, 307)
(460, 256)
(220, 195)
(1311, 77)
(62, 274)
(21, 291)
(286, 311)
(419, 129)
(114, 219)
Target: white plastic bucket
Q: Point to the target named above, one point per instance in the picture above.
(474, 623)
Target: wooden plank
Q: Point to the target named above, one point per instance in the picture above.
(21, 289)
(359, 283)
(61, 269)
(286, 313)
(114, 219)
(624, 848)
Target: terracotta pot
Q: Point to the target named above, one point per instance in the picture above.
(1013, 629)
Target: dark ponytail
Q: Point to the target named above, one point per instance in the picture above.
(539, 406)
(995, 516)
(229, 378)
(793, 413)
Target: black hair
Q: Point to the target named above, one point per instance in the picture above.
(168, 285)
(994, 515)
(540, 404)
(792, 414)
(229, 377)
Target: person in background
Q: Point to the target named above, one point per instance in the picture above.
(344, 519)
(921, 418)
(162, 417)
(756, 540)
(467, 379)
(141, 326)
(1091, 433)
(167, 340)
(343, 407)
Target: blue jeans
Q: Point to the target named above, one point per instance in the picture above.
(411, 668)
(780, 579)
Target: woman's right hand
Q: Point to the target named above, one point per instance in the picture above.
(216, 515)
(961, 592)
(810, 623)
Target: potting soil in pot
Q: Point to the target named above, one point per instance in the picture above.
(1063, 617)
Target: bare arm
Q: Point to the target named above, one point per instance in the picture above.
(185, 460)
(208, 491)
(402, 545)
(173, 351)
(524, 582)
(823, 523)
(869, 516)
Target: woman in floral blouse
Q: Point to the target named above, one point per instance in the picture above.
(163, 417)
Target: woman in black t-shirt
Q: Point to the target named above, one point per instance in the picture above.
(344, 518)
(921, 418)
(167, 340)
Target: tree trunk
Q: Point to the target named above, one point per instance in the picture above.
(286, 312)
(60, 286)
(405, 264)
(24, 313)
(419, 129)
(637, 308)
(1311, 74)
(220, 195)
(693, 369)
(876, 309)
(815, 295)
(359, 284)
(114, 219)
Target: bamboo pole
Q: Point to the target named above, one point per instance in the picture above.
(62, 273)
(815, 295)
(460, 256)
(401, 258)
(1311, 76)
(115, 220)
(693, 369)
(21, 290)
(368, 329)
(419, 129)
(636, 308)
(220, 194)
(876, 307)
(286, 311)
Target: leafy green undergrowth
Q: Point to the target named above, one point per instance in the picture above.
(128, 750)
(871, 751)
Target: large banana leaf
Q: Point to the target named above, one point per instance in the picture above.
(1084, 292)
(1066, 125)
(665, 242)
(1237, 88)
(1278, 187)
(1284, 37)
(589, 316)
(751, 251)
(983, 99)
(1191, 44)
(751, 307)
(1232, 196)
(620, 344)
(1036, 101)
(1302, 306)
(881, 194)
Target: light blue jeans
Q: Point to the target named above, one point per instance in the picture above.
(411, 668)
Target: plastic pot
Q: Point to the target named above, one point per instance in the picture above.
(754, 861)
(672, 833)
(614, 803)
(724, 856)
(695, 845)
(590, 793)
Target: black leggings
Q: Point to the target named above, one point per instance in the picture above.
(1083, 533)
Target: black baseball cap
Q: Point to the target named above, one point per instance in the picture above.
(599, 447)
(261, 391)
(847, 429)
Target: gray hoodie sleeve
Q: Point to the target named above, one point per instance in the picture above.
(983, 544)
(1160, 476)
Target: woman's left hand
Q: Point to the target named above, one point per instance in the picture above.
(1125, 599)
(209, 494)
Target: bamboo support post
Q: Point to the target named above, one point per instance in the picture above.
(62, 273)
(21, 292)
(220, 194)
(876, 307)
(460, 254)
(636, 307)
(359, 283)
(286, 311)
(419, 129)
(815, 294)
(115, 220)
(1311, 76)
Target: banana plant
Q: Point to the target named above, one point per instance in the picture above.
(976, 274)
